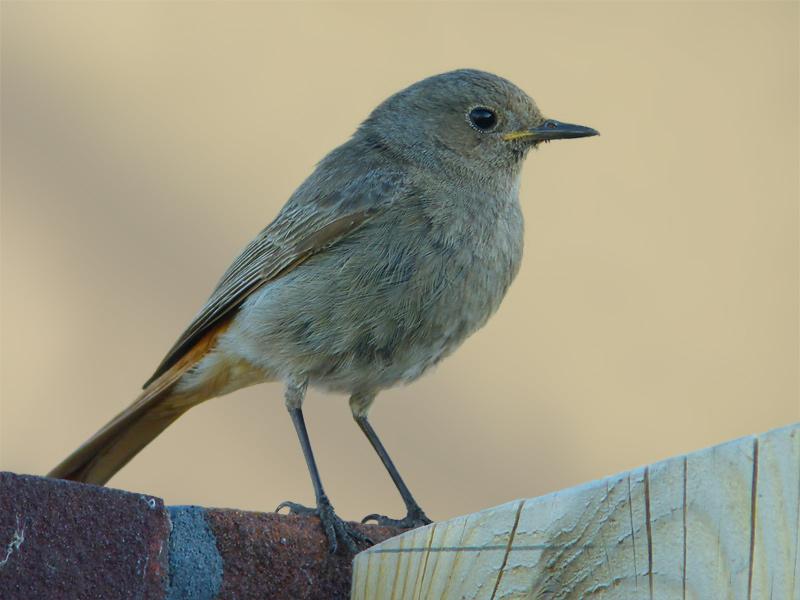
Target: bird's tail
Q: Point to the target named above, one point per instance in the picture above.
(110, 449)
(161, 402)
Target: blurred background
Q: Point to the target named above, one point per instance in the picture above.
(656, 312)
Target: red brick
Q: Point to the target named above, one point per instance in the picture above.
(67, 540)
(266, 555)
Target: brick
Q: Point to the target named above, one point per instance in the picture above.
(60, 539)
(68, 540)
(266, 555)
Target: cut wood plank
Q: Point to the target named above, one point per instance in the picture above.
(720, 523)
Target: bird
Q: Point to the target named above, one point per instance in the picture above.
(400, 244)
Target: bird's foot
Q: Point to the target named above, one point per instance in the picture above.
(415, 518)
(339, 533)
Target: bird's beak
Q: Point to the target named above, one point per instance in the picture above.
(551, 130)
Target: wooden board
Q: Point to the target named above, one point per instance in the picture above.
(720, 523)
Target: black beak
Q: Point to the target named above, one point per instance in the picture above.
(556, 130)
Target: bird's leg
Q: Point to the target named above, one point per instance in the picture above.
(415, 516)
(336, 530)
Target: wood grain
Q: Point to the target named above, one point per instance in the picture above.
(720, 523)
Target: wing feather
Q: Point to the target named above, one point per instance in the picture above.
(310, 222)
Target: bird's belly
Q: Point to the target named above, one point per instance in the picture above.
(355, 320)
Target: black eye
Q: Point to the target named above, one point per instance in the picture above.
(482, 118)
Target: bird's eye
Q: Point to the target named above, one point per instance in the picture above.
(550, 124)
(482, 118)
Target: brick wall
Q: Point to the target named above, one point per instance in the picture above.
(66, 540)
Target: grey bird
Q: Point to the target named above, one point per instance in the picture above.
(400, 244)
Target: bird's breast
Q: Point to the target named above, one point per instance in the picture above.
(479, 256)
(389, 301)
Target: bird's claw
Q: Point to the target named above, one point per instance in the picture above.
(336, 530)
(296, 509)
(415, 518)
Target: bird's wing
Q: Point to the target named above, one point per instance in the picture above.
(314, 219)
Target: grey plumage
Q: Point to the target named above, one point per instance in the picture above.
(400, 244)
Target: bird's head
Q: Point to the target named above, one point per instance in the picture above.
(468, 120)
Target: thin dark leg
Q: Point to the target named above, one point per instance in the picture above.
(415, 516)
(302, 433)
(335, 529)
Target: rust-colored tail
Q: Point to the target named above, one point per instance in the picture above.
(110, 449)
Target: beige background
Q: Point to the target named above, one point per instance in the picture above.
(657, 307)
